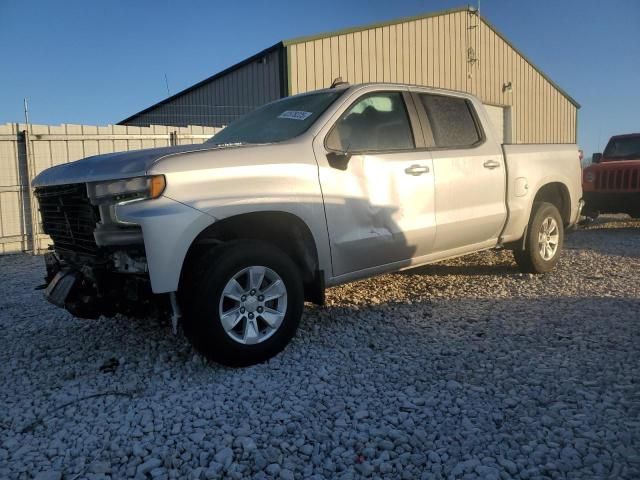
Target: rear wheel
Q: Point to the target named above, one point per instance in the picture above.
(246, 303)
(543, 242)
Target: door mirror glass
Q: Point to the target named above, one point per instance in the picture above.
(596, 158)
(334, 142)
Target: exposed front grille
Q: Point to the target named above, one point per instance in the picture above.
(618, 179)
(68, 217)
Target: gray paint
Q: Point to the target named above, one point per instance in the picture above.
(222, 98)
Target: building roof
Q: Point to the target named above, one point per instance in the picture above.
(285, 43)
(213, 77)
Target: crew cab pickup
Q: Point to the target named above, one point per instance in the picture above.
(308, 192)
(612, 183)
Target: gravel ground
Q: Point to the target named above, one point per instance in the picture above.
(464, 369)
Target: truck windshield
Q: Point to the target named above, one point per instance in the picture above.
(622, 148)
(277, 121)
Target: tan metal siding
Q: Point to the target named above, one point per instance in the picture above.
(222, 100)
(434, 52)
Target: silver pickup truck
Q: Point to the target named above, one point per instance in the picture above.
(311, 191)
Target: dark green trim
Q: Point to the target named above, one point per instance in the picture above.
(284, 71)
(246, 61)
(373, 25)
(288, 69)
(535, 67)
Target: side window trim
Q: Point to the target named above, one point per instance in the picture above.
(408, 106)
(428, 132)
(414, 121)
(424, 121)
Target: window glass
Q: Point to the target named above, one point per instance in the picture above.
(378, 122)
(451, 120)
(277, 121)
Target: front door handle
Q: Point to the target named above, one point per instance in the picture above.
(491, 164)
(416, 170)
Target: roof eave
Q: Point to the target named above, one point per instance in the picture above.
(360, 28)
(528, 60)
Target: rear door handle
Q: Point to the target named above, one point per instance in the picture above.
(416, 170)
(491, 164)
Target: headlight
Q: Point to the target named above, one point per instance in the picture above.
(589, 177)
(137, 188)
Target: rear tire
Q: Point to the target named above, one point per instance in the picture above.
(245, 303)
(543, 242)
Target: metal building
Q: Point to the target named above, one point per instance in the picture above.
(454, 49)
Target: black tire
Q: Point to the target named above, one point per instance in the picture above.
(204, 287)
(530, 259)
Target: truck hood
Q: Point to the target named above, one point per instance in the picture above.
(112, 166)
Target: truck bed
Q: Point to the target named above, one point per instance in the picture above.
(531, 166)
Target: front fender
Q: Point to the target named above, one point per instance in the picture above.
(168, 228)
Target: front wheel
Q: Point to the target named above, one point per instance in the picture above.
(246, 303)
(543, 242)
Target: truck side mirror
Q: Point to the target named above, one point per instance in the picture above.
(338, 156)
(596, 158)
(338, 160)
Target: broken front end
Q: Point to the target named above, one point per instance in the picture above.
(97, 264)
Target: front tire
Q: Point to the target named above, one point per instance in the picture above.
(245, 304)
(543, 242)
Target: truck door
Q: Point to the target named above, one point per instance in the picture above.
(377, 186)
(469, 172)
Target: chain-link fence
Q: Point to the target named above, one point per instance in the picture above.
(26, 150)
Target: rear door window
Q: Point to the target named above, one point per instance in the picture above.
(376, 122)
(452, 121)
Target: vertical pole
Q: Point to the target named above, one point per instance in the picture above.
(30, 167)
(32, 206)
(26, 112)
(21, 148)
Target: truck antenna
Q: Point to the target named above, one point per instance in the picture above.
(166, 82)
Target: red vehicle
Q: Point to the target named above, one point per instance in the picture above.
(612, 183)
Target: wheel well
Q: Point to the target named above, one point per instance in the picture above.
(557, 194)
(281, 229)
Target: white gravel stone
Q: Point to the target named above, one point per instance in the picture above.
(463, 369)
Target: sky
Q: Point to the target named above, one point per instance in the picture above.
(97, 62)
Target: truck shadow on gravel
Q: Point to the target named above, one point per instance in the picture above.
(466, 269)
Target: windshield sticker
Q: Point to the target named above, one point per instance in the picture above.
(295, 115)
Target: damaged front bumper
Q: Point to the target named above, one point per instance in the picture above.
(107, 284)
(108, 258)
